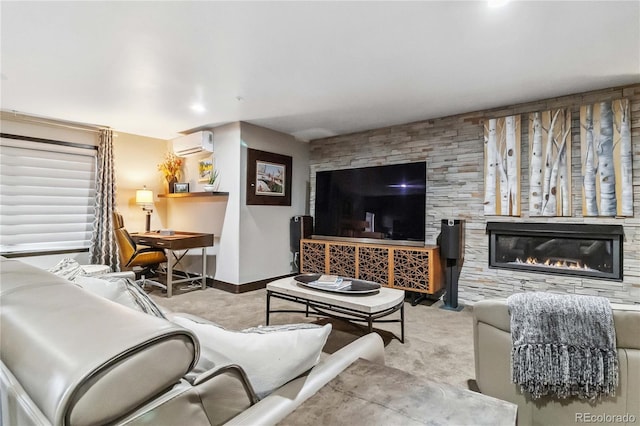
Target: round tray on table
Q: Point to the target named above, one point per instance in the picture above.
(354, 286)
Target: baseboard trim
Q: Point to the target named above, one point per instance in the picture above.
(243, 288)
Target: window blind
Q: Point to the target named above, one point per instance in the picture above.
(47, 196)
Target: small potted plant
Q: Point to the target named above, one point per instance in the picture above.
(212, 183)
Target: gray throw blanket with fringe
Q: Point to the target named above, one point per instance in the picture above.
(563, 345)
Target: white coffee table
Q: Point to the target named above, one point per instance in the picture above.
(352, 308)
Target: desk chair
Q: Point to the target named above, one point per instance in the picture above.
(133, 256)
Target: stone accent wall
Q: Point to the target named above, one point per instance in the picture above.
(454, 151)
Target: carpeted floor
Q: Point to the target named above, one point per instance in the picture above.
(438, 343)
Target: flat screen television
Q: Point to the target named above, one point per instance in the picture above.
(381, 202)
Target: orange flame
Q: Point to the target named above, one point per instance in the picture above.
(557, 264)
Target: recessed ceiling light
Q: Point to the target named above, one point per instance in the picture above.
(198, 108)
(497, 3)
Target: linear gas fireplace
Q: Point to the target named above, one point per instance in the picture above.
(557, 248)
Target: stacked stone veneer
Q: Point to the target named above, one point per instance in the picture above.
(453, 148)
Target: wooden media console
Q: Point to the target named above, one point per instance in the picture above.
(416, 269)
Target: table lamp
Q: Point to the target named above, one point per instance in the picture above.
(144, 197)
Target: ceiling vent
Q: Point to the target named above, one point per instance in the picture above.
(193, 143)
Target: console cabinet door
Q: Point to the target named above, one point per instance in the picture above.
(342, 260)
(411, 270)
(373, 264)
(313, 258)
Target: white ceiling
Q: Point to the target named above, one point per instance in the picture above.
(311, 69)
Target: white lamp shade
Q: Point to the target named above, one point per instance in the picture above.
(144, 196)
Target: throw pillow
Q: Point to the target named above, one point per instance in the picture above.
(105, 289)
(67, 268)
(264, 329)
(120, 290)
(271, 357)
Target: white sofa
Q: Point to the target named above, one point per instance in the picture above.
(69, 357)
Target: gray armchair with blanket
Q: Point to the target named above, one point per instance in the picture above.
(492, 347)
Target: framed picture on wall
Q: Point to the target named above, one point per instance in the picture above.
(268, 178)
(205, 168)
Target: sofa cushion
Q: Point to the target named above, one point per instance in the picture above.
(271, 356)
(114, 291)
(120, 290)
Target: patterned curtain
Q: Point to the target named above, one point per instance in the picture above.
(104, 249)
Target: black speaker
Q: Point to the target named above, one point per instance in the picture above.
(300, 227)
(452, 239)
(451, 242)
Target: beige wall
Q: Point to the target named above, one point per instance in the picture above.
(136, 160)
(30, 126)
(25, 126)
(252, 242)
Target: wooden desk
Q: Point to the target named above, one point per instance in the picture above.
(178, 242)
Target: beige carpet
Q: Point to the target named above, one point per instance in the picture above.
(438, 343)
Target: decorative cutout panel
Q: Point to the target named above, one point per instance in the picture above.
(411, 269)
(313, 258)
(342, 260)
(374, 264)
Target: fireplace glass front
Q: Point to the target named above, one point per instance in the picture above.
(568, 249)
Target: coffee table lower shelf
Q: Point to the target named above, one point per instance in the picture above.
(336, 309)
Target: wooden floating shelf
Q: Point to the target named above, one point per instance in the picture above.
(193, 194)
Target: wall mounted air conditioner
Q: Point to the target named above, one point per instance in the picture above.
(193, 143)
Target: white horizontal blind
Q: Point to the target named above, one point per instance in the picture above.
(47, 196)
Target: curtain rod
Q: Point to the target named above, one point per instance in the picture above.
(95, 128)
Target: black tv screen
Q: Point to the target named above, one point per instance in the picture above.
(382, 202)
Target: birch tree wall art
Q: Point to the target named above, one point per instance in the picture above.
(502, 166)
(605, 149)
(550, 163)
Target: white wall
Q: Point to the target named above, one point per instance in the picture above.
(252, 242)
(264, 230)
(219, 215)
